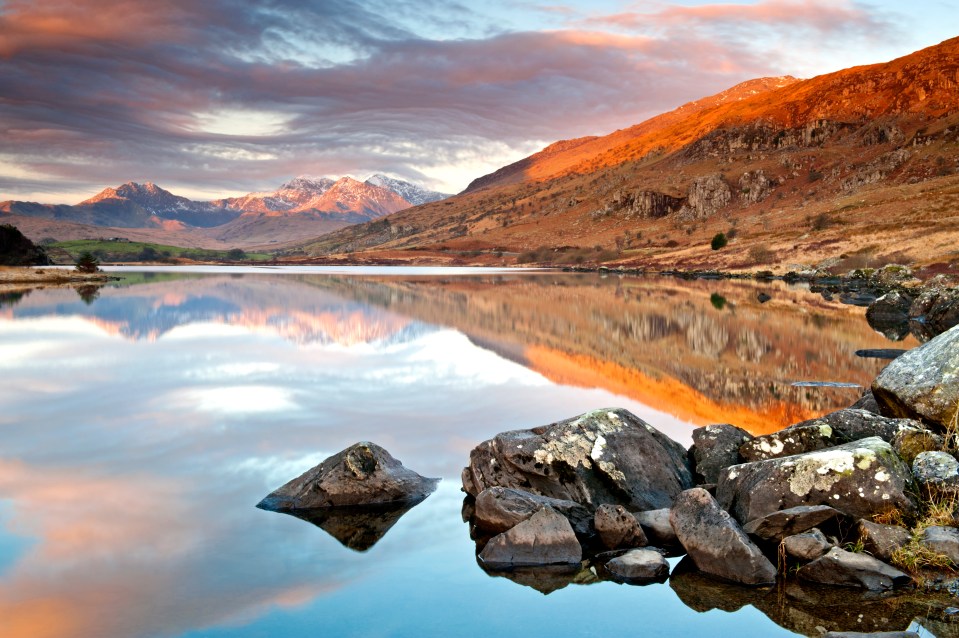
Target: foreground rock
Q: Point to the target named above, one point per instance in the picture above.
(656, 526)
(716, 447)
(839, 567)
(617, 528)
(546, 538)
(882, 540)
(936, 473)
(603, 456)
(499, 509)
(715, 542)
(854, 424)
(362, 474)
(807, 546)
(793, 440)
(862, 478)
(942, 540)
(638, 565)
(778, 525)
(923, 384)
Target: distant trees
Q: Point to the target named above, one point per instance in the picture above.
(17, 250)
(87, 262)
(236, 254)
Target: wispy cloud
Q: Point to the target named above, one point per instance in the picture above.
(95, 92)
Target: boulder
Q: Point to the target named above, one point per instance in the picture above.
(942, 540)
(882, 540)
(889, 315)
(807, 546)
(715, 542)
(923, 384)
(617, 528)
(862, 478)
(656, 526)
(498, 509)
(716, 447)
(546, 538)
(362, 474)
(936, 472)
(853, 424)
(909, 442)
(839, 567)
(639, 565)
(793, 440)
(778, 525)
(603, 456)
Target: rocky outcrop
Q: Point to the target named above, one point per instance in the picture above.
(923, 383)
(707, 195)
(715, 542)
(603, 456)
(754, 187)
(639, 565)
(617, 528)
(498, 509)
(716, 447)
(849, 569)
(778, 525)
(806, 546)
(646, 204)
(882, 540)
(362, 474)
(546, 538)
(794, 440)
(862, 478)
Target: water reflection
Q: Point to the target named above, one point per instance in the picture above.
(140, 428)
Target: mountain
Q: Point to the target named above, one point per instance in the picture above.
(850, 168)
(412, 193)
(302, 207)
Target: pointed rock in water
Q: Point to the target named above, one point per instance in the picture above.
(359, 527)
(362, 474)
(715, 542)
(923, 384)
(546, 538)
(499, 509)
(603, 456)
(862, 478)
(716, 447)
(839, 567)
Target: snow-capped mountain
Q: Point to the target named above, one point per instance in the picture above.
(412, 193)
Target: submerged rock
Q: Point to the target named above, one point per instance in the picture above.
(715, 542)
(862, 478)
(639, 565)
(716, 447)
(603, 456)
(923, 383)
(498, 509)
(362, 474)
(546, 538)
(839, 567)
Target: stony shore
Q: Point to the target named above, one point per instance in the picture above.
(19, 277)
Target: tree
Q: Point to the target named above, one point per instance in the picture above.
(87, 262)
(719, 241)
(236, 254)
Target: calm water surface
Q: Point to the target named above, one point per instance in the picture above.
(142, 422)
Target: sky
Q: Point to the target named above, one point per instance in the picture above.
(224, 97)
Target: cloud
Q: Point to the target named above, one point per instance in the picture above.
(225, 96)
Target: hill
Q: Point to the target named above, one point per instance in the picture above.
(853, 167)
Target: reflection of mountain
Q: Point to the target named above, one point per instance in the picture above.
(657, 340)
(287, 307)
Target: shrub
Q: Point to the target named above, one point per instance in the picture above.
(87, 262)
(719, 241)
(761, 255)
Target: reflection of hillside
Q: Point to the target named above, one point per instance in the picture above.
(285, 306)
(660, 341)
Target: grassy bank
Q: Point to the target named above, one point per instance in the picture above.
(66, 252)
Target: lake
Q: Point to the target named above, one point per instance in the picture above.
(144, 420)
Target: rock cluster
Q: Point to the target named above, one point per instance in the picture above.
(605, 486)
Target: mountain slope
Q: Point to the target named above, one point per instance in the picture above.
(412, 193)
(798, 170)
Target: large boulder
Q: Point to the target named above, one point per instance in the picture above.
(923, 384)
(716, 447)
(545, 538)
(862, 478)
(603, 456)
(498, 509)
(715, 542)
(849, 569)
(362, 474)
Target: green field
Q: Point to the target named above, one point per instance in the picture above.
(127, 251)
